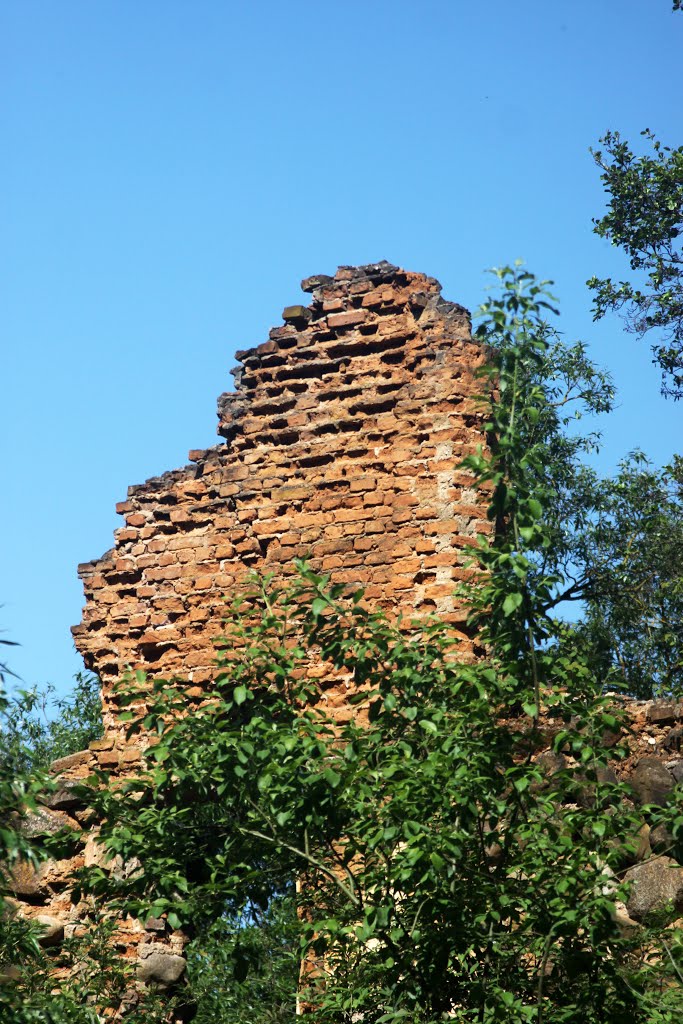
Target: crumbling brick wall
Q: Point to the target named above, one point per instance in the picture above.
(343, 441)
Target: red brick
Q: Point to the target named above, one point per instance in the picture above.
(356, 316)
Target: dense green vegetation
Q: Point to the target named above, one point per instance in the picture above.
(643, 218)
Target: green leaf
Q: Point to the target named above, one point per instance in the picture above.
(240, 694)
(535, 508)
(332, 778)
(512, 603)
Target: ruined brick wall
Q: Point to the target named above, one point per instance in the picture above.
(343, 440)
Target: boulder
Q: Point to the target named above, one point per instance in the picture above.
(28, 880)
(44, 822)
(160, 966)
(67, 796)
(155, 924)
(587, 789)
(661, 839)
(637, 847)
(655, 884)
(96, 855)
(651, 782)
(52, 930)
(674, 739)
(662, 712)
(550, 762)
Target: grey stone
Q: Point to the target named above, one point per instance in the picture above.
(662, 712)
(27, 880)
(155, 924)
(655, 884)
(661, 839)
(128, 869)
(637, 847)
(674, 739)
(66, 796)
(295, 314)
(677, 771)
(96, 855)
(162, 968)
(586, 792)
(610, 738)
(551, 762)
(620, 917)
(316, 281)
(44, 822)
(52, 930)
(651, 782)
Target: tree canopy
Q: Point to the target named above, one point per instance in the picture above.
(644, 218)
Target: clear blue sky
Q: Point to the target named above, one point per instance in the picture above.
(171, 170)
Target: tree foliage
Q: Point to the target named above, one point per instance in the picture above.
(633, 555)
(89, 969)
(444, 872)
(39, 727)
(644, 218)
(248, 970)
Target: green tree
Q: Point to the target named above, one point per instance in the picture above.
(30, 738)
(632, 553)
(444, 873)
(39, 727)
(248, 970)
(644, 218)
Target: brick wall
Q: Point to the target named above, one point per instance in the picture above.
(342, 442)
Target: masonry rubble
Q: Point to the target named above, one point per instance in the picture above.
(342, 443)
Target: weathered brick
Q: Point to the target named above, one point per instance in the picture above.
(348, 454)
(350, 319)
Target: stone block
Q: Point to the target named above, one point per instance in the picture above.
(664, 712)
(655, 885)
(296, 314)
(28, 880)
(45, 822)
(51, 930)
(69, 794)
(158, 965)
(651, 782)
(63, 764)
